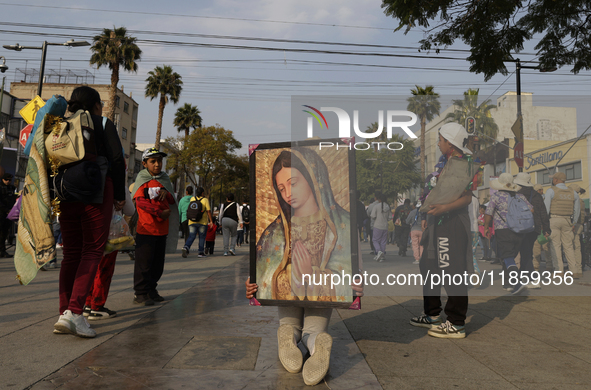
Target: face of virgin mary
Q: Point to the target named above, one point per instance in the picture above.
(295, 191)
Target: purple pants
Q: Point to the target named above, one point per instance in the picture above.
(380, 237)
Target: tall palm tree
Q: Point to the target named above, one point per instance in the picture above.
(166, 83)
(186, 118)
(469, 107)
(424, 103)
(115, 49)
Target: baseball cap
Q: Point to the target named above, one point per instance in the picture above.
(559, 176)
(577, 188)
(538, 187)
(456, 135)
(151, 153)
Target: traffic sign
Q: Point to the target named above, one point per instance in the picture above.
(518, 154)
(24, 135)
(29, 112)
(517, 129)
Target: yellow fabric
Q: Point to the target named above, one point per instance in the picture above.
(204, 219)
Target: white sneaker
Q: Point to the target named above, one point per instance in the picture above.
(380, 256)
(415, 262)
(289, 353)
(74, 324)
(316, 366)
(534, 285)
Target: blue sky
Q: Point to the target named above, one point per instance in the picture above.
(249, 91)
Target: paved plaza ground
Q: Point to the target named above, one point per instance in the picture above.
(206, 336)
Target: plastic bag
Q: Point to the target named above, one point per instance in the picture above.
(119, 234)
(15, 211)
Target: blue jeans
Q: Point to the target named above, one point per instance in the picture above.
(193, 230)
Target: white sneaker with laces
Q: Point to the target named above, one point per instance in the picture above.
(74, 324)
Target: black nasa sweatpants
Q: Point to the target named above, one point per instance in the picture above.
(451, 243)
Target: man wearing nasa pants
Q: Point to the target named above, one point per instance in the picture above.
(450, 241)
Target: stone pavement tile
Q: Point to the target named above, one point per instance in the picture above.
(551, 386)
(549, 330)
(429, 382)
(548, 367)
(487, 337)
(584, 356)
(439, 358)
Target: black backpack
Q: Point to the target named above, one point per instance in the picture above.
(195, 210)
(245, 214)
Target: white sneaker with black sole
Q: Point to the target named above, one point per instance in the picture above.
(101, 313)
(74, 324)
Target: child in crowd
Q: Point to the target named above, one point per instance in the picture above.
(153, 196)
(210, 237)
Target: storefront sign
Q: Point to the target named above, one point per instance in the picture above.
(543, 158)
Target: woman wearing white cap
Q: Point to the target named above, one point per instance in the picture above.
(447, 246)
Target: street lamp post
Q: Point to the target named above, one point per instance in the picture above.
(3, 68)
(43, 48)
(518, 68)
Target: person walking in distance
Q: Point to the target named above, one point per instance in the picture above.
(508, 241)
(564, 207)
(246, 221)
(402, 230)
(231, 218)
(541, 224)
(578, 229)
(183, 206)
(380, 215)
(416, 231)
(371, 220)
(7, 200)
(199, 217)
(540, 249)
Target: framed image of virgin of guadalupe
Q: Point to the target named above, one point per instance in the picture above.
(303, 248)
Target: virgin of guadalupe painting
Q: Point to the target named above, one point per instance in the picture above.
(304, 243)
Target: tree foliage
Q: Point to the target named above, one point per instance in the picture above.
(186, 118)
(115, 49)
(496, 29)
(166, 83)
(425, 104)
(392, 172)
(208, 153)
(484, 122)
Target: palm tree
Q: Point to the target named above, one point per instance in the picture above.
(186, 118)
(469, 107)
(166, 83)
(114, 48)
(425, 104)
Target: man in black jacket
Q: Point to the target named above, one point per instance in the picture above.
(541, 224)
(7, 200)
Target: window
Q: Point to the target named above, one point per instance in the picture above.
(572, 171)
(124, 133)
(126, 107)
(543, 177)
(117, 101)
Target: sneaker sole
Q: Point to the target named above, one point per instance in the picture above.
(316, 367)
(426, 326)
(100, 317)
(63, 329)
(447, 335)
(290, 355)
